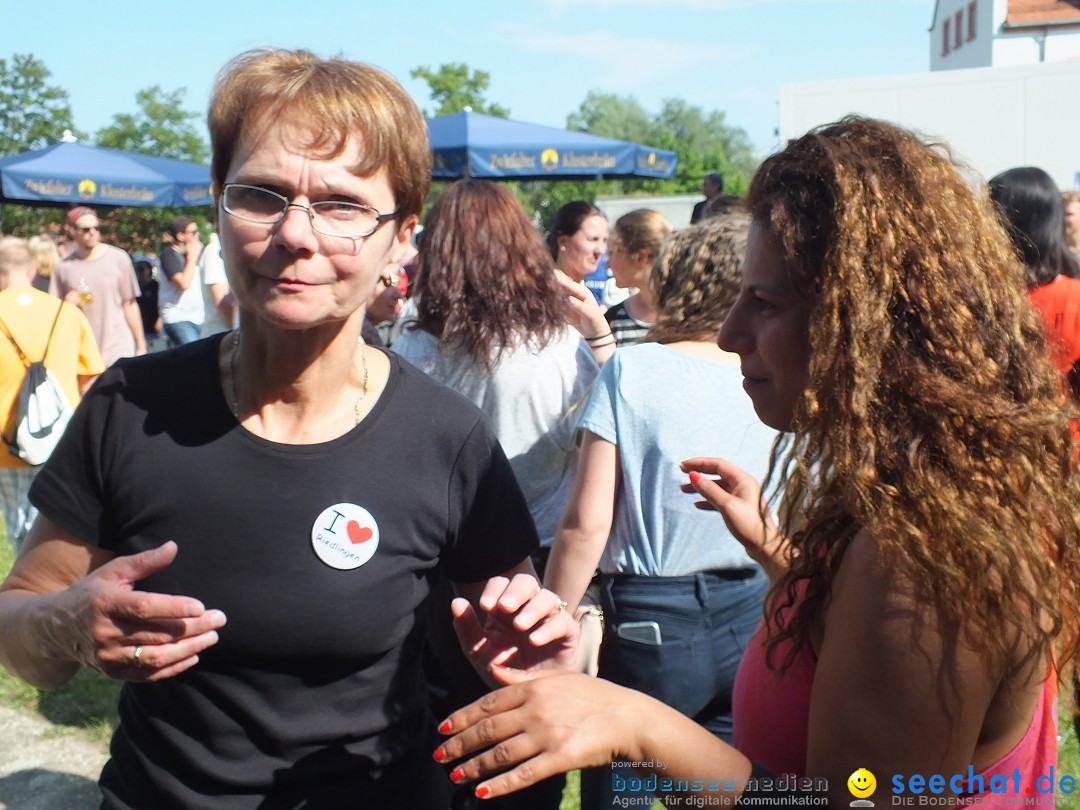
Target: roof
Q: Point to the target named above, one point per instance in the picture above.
(1042, 12)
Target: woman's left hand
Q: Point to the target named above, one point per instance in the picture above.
(519, 623)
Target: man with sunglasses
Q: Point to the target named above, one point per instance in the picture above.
(100, 279)
(180, 294)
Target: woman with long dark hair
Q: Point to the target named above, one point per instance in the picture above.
(491, 324)
(1033, 212)
(578, 239)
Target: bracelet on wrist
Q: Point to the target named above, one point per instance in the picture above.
(598, 337)
(602, 345)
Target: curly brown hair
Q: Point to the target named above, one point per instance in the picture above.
(485, 281)
(696, 278)
(933, 417)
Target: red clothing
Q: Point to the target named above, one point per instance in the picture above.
(1059, 304)
(772, 722)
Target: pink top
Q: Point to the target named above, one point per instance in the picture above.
(772, 718)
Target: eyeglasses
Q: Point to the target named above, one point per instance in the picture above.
(348, 220)
(88, 228)
(192, 232)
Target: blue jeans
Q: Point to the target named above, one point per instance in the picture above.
(181, 332)
(706, 621)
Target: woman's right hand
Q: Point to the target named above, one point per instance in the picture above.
(736, 495)
(110, 620)
(586, 316)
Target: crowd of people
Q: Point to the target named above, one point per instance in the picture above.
(818, 470)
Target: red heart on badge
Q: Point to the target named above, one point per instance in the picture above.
(358, 533)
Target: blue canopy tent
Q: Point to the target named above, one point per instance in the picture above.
(93, 175)
(469, 144)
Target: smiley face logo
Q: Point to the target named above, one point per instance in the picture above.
(862, 783)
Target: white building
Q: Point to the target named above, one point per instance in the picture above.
(1003, 90)
(1000, 33)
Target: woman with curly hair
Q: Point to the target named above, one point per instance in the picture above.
(927, 556)
(666, 567)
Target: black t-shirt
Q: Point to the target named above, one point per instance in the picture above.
(173, 261)
(314, 695)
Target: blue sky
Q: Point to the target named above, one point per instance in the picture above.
(543, 56)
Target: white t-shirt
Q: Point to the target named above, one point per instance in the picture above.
(212, 268)
(532, 399)
(179, 306)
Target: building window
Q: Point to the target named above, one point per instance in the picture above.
(971, 21)
(945, 37)
(958, 39)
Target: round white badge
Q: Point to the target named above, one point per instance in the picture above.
(345, 536)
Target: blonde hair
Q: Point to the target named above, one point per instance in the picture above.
(15, 256)
(696, 276)
(46, 256)
(643, 229)
(337, 101)
(932, 416)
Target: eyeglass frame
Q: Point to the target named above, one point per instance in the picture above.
(379, 218)
(87, 228)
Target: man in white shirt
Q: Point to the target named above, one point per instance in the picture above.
(218, 301)
(180, 294)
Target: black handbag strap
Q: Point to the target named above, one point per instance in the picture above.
(22, 355)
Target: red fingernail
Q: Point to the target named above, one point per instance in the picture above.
(695, 477)
(440, 754)
(457, 775)
(444, 727)
(482, 792)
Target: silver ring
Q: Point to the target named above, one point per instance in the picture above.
(562, 604)
(135, 658)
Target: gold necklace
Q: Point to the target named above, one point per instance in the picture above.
(235, 389)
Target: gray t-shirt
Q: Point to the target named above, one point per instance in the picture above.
(109, 278)
(661, 406)
(531, 398)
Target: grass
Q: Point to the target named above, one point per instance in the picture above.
(87, 705)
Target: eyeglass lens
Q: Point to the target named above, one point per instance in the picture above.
(331, 217)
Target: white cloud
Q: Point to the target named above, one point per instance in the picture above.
(624, 63)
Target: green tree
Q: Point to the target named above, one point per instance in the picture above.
(161, 127)
(703, 141)
(613, 116)
(453, 87)
(33, 113)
